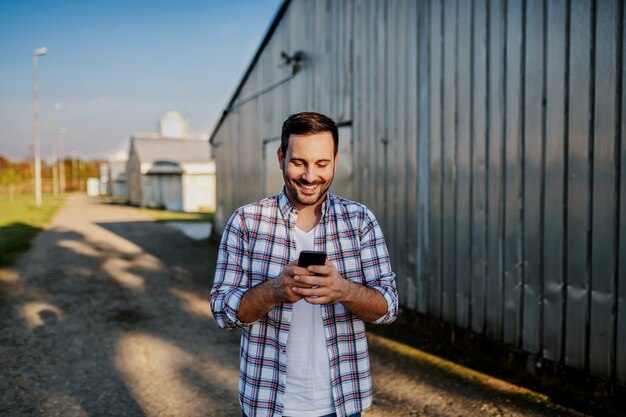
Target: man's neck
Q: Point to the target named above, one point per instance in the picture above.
(308, 216)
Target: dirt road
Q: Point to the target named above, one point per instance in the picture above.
(108, 315)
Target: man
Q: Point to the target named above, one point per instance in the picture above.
(303, 345)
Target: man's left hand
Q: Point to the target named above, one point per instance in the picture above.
(328, 286)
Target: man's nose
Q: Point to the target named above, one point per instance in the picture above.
(309, 173)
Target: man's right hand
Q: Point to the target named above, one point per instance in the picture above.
(260, 299)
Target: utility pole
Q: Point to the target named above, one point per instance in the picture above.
(74, 171)
(36, 133)
(62, 161)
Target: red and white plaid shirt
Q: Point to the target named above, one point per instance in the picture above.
(256, 245)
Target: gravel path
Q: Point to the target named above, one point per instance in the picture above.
(108, 315)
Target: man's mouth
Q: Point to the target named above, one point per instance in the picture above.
(308, 188)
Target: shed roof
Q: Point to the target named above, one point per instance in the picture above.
(175, 150)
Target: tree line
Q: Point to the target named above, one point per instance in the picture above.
(17, 177)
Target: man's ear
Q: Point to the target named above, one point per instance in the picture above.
(336, 161)
(281, 158)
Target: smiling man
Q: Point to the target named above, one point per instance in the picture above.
(303, 345)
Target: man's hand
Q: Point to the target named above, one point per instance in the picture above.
(282, 286)
(327, 287)
(260, 299)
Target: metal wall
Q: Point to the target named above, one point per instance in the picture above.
(486, 137)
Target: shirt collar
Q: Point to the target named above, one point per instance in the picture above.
(285, 206)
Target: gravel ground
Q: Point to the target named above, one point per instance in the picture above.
(108, 315)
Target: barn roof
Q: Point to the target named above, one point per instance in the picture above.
(268, 35)
(174, 150)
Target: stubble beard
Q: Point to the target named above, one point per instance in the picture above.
(303, 199)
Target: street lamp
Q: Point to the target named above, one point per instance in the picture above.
(36, 53)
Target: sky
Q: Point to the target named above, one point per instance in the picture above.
(116, 66)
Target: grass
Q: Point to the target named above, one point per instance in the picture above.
(21, 220)
(166, 216)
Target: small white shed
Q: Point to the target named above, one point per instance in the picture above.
(172, 173)
(117, 177)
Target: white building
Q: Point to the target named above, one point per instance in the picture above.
(171, 169)
(113, 176)
(116, 185)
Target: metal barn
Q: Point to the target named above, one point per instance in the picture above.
(487, 137)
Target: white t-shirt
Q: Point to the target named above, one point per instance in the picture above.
(308, 391)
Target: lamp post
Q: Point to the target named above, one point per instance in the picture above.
(36, 53)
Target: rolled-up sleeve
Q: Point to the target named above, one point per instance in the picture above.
(231, 279)
(376, 266)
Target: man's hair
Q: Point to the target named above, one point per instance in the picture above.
(308, 123)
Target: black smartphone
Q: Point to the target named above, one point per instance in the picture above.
(311, 257)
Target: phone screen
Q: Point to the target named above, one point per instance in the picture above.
(311, 257)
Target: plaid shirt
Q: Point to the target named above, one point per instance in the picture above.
(256, 245)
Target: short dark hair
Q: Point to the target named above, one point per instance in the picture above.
(308, 123)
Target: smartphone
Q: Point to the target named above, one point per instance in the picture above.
(311, 257)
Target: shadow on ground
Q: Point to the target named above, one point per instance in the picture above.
(92, 330)
(15, 238)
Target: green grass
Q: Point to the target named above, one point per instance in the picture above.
(21, 220)
(166, 216)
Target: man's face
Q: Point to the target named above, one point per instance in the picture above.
(308, 167)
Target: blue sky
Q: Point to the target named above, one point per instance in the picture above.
(116, 66)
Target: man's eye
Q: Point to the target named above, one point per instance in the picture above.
(297, 163)
(323, 164)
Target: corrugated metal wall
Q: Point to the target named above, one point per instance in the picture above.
(487, 139)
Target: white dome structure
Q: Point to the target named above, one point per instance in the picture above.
(173, 125)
